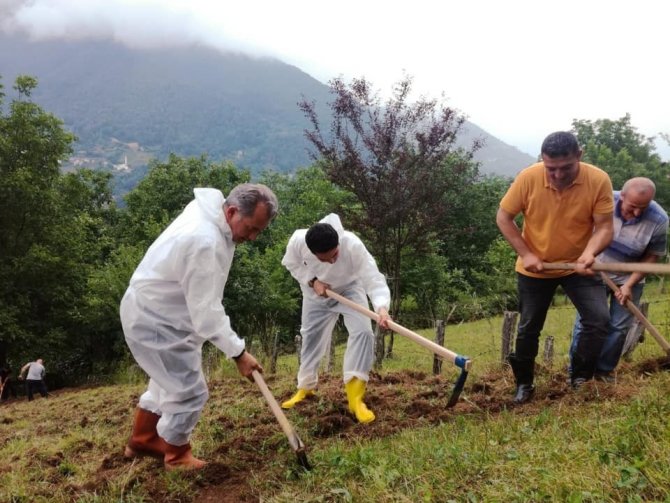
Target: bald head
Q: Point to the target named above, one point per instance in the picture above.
(640, 185)
(636, 195)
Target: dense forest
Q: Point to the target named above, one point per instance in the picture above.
(67, 250)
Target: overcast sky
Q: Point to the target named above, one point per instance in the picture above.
(518, 68)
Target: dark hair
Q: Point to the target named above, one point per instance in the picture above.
(560, 144)
(247, 196)
(321, 238)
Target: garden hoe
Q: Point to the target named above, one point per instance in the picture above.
(293, 439)
(463, 362)
(644, 267)
(638, 314)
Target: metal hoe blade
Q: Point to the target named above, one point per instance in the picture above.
(302, 459)
(461, 362)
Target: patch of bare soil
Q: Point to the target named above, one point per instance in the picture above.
(400, 400)
(232, 488)
(653, 365)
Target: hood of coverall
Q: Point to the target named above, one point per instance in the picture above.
(335, 222)
(210, 202)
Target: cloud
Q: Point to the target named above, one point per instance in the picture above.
(146, 24)
(519, 69)
(8, 9)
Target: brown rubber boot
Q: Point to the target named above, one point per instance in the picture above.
(179, 457)
(144, 440)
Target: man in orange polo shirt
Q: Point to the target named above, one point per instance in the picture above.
(567, 208)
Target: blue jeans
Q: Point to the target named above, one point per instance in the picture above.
(587, 293)
(621, 320)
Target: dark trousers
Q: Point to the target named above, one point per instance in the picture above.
(35, 384)
(589, 296)
(8, 389)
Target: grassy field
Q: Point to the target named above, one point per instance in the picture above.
(605, 442)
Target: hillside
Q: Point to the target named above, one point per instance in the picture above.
(484, 449)
(603, 442)
(128, 105)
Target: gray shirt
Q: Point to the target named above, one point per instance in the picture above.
(36, 371)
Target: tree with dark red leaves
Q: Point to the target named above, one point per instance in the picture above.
(401, 161)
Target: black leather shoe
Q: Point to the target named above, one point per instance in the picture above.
(578, 382)
(524, 392)
(606, 377)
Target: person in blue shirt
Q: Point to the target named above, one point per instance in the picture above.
(640, 235)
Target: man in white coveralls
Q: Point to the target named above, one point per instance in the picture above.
(325, 256)
(173, 305)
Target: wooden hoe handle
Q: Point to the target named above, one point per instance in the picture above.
(293, 439)
(639, 315)
(644, 267)
(458, 360)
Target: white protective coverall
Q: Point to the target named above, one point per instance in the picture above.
(354, 275)
(173, 305)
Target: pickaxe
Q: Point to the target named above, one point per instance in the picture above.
(463, 362)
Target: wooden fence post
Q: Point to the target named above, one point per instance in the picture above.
(635, 334)
(509, 326)
(275, 354)
(298, 346)
(210, 361)
(331, 354)
(549, 350)
(439, 339)
(379, 347)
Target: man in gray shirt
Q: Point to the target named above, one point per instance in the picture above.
(35, 379)
(640, 235)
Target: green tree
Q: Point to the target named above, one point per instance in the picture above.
(304, 197)
(54, 229)
(617, 147)
(167, 189)
(32, 142)
(469, 228)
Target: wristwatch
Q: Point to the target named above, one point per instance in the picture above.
(240, 355)
(310, 283)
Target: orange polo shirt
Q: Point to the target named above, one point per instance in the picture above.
(558, 225)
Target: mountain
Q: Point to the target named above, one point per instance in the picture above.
(129, 105)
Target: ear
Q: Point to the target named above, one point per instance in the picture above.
(229, 212)
(579, 154)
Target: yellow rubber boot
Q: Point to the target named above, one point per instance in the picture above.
(355, 390)
(300, 395)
